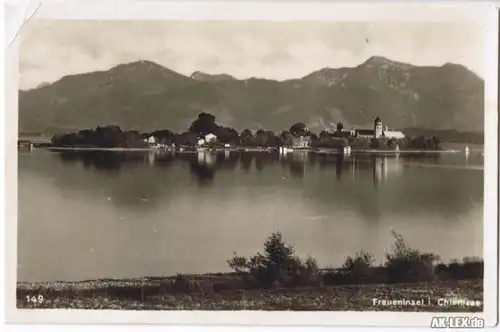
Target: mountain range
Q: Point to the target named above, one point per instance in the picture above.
(145, 96)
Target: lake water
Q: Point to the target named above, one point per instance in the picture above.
(114, 215)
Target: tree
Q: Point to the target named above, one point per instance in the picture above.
(227, 135)
(419, 142)
(430, 144)
(186, 138)
(266, 138)
(132, 139)
(204, 124)
(71, 139)
(405, 264)
(247, 138)
(358, 267)
(104, 137)
(278, 263)
(162, 134)
(340, 126)
(298, 129)
(109, 136)
(273, 139)
(324, 135)
(315, 141)
(437, 142)
(378, 143)
(286, 138)
(392, 143)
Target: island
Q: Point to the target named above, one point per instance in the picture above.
(205, 133)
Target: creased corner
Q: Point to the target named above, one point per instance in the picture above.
(19, 13)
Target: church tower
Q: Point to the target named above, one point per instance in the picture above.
(377, 127)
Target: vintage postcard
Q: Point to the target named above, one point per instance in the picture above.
(252, 164)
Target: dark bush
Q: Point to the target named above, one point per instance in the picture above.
(469, 268)
(182, 284)
(405, 264)
(337, 277)
(359, 267)
(278, 265)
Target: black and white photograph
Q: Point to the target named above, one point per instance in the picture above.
(258, 165)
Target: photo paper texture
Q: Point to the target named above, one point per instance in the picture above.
(287, 164)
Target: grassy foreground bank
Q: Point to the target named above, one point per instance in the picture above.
(153, 294)
(277, 279)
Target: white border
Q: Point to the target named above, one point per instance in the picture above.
(258, 11)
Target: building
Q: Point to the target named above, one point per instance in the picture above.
(210, 138)
(378, 128)
(365, 133)
(344, 133)
(301, 142)
(379, 131)
(393, 134)
(151, 141)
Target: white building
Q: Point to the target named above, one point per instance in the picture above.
(201, 142)
(210, 138)
(379, 131)
(394, 134)
(301, 142)
(151, 140)
(378, 128)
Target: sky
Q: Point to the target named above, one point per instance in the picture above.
(51, 49)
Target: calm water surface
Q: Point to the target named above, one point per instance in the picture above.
(113, 215)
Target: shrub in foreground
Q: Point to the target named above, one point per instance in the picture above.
(277, 266)
(405, 264)
(359, 268)
(469, 268)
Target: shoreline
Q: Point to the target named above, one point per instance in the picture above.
(240, 149)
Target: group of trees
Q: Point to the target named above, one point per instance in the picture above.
(279, 265)
(114, 136)
(419, 143)
(105, 137)
(447, 135)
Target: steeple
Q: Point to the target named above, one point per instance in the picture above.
(378, 127)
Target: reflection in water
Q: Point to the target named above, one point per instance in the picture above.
(339, 164)
(246, 161)
(204, 164)
(203, 167)
(297, 164)
(378, 171)
(151, 158)
(102, 160)
(203, 172)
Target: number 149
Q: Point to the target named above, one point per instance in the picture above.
(34, 299)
